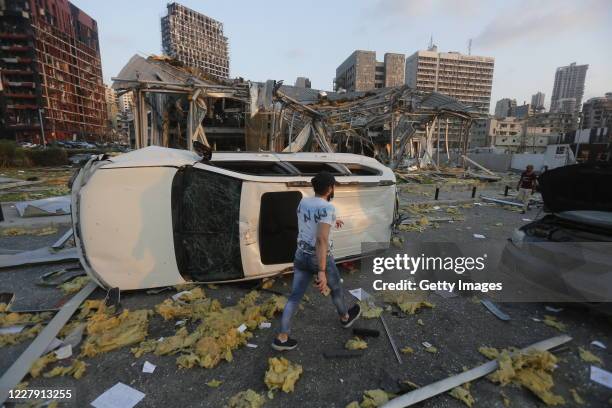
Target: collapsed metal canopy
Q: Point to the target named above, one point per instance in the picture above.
(387, 123)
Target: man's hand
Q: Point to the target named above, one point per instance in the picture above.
(339, 224)
(321, 282)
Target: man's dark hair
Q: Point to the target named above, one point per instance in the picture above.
(322, 181)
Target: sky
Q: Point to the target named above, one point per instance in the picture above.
(276, 39)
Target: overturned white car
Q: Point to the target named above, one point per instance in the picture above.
(157, 216)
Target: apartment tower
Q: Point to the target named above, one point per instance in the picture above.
(195, 40)
(468, 78)
(568, 88)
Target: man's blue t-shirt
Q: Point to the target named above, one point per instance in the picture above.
(310, 212)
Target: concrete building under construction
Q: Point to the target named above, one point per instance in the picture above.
(51, 71)
(195, 40)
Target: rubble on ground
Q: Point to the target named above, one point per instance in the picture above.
(74, 285)
(408, 302)
(76, 369)
(532, 370)
(246, 399)
(106, 332)
(552, 321)
(282, 374)
(356, 344)
(8, 318)
(220, 331)
(588, 357)
(369, 310)
(371, 399)
(462, 393)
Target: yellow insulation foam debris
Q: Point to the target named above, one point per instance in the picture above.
(463, 395)
(181, 287)
(532, 370)
(8, 319)
(105, 333)
(41, 232)
(489, 352)
(41, 363)
(90, 307)
(147, 346)
(431, 349)
(282, 374)
(217, 335)
(407, 350)
(214, 383)
(76, 369)
(588, 357)
(246, 399)
(577, 398)
(74, 285)
(553, 322)
(356, 344)
(408, 303)
(16, 338)
(371, 399)
(370, 311)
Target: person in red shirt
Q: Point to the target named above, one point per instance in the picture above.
(526, 186)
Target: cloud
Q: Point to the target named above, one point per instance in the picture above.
(542, 21)
(424, 8)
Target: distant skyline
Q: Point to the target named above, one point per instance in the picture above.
(284, 40)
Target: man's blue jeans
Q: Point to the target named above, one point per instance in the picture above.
(305, 266)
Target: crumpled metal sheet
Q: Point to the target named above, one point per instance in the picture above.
(44, 207)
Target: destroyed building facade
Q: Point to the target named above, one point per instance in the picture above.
(196, 40)
(361, 72)
(174, 107)
(50, 70)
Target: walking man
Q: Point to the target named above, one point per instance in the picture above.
(316, 216)
(526, 186)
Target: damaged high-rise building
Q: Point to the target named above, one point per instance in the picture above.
(361, 72)
(195, 40)
(50, 70)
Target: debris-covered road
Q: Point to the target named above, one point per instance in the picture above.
(457, 327)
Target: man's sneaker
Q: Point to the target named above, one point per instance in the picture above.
(278, 345)
(354, 313)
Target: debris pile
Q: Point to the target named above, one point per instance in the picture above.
(220, 331)
(106, 332)
(532, 370)
(246, 399)
(282, 374)
(408, 303)
(371, 399)
(356, 344)
(462, 393)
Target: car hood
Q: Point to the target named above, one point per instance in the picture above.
(583, 186)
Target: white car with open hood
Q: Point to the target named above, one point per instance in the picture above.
(157, 216)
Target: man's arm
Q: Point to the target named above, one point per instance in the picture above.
(518, 185)
(321, 246)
